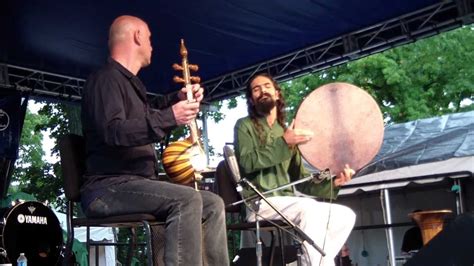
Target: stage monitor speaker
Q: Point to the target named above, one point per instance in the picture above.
(453, 246)
(247, 256)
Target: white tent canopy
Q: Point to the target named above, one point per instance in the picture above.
(419, 174)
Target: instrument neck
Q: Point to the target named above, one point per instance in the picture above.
(194, 132)
(186, 73)
(193, 125)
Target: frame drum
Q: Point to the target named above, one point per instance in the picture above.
(33, 229)
(347, 125)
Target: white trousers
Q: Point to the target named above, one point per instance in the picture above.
(312, 217)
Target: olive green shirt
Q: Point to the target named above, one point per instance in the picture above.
(272, 163)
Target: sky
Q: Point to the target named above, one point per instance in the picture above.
(223, 132)
(48, 143)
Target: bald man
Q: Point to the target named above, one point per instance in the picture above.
(120, 127)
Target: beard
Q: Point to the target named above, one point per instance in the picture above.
(264, 105)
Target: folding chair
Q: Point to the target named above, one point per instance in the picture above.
(72, 153)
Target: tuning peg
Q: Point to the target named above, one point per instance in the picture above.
(195, 79)
(182, 50)
(177, 67)
(178, 79)
(193, 67)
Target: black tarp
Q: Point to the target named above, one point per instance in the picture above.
(424, 150)
(423, 141)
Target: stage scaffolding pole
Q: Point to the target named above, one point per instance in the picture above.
(389, 231)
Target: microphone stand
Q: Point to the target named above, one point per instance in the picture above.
(304, 237)
(258, 244)
(271, 191)
(321, 176)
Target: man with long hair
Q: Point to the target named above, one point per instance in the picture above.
(268, 157)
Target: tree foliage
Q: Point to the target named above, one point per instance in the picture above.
(427, 78)
(32, 173)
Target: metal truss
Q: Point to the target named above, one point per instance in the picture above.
(40, 83)
(405, 29)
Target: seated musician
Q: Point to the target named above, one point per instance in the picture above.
(120, 127)
(265, 149)
(343, 258)
(412, 239)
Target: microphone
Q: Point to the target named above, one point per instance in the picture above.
(229, 156)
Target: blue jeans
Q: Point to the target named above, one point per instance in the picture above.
(195, 229)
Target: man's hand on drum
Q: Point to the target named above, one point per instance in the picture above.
(344, 177)
(293, 136)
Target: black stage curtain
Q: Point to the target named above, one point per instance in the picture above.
(12, 115)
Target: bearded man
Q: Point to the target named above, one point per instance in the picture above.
(266, 151)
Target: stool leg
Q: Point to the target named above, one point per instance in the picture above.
(69, 254)
(299, 253)
(282, 246)
(272, 248)
(88, 244)
(97, 247)
(149, 249)
(131, 245)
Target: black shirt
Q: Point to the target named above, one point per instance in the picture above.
(342, 261)
(120, 126)
(412, 240)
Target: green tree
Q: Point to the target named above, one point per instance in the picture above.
(30, 151)
(427, 78)
(32, 174)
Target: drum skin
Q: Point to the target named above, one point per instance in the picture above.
(347, 125)
(33, 229)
